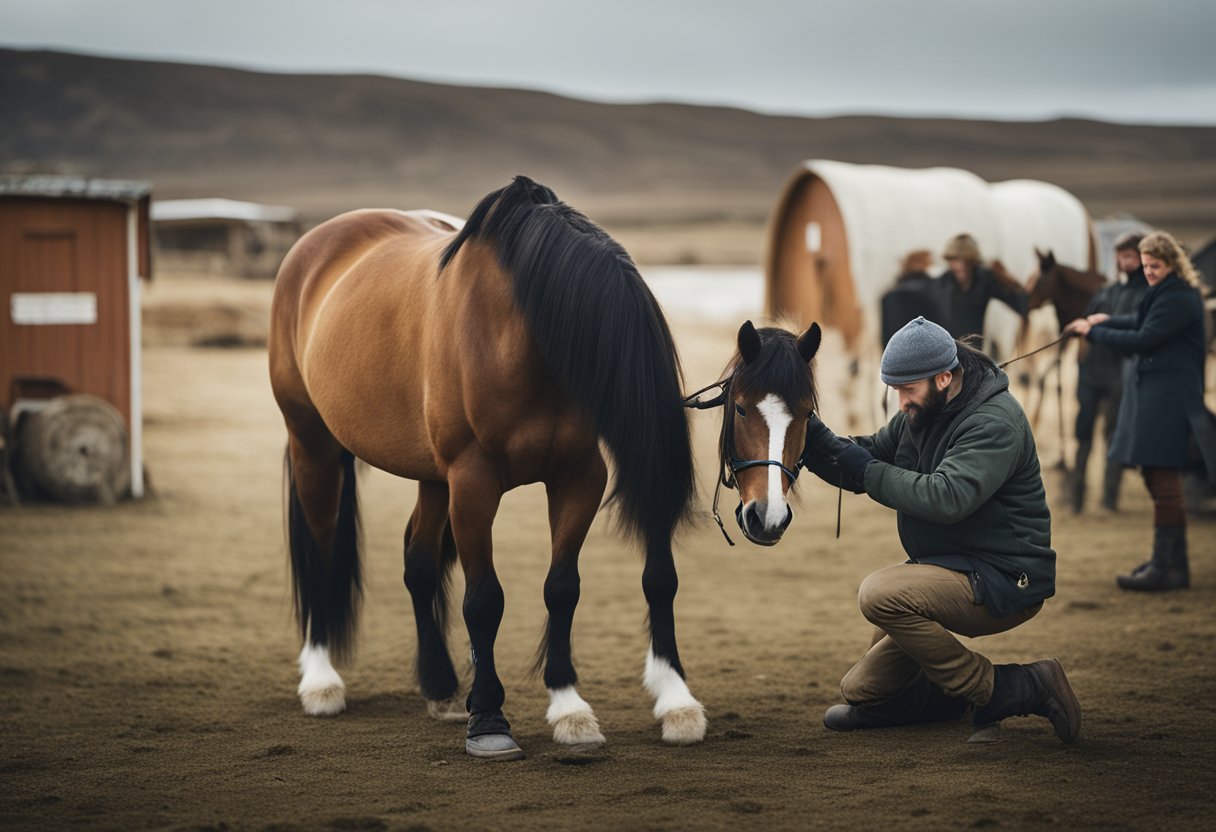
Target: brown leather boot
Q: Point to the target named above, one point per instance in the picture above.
(1039, 689)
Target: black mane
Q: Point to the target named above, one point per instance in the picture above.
(603, 337)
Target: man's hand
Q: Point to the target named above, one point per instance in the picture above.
(820, 441)
(852, 460)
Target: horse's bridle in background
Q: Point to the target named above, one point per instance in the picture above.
(730, 464)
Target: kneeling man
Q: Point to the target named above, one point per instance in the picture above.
(958, 464)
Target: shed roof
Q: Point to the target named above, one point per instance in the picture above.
(219, 209)
(76, 187)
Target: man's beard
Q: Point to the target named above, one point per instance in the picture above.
(921, 416)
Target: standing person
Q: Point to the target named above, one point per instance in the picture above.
(958, 464)
(969, 286)
(1162, 405)
(915, 294)
(1100, 374)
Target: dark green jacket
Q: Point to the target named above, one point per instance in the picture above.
(969, 493)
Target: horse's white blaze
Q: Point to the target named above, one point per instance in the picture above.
(573, 721)
(683, 716)
(322, 692)
(777, 417)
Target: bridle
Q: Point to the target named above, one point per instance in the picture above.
(731, 464)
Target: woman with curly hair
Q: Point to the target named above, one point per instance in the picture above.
(1162, 405)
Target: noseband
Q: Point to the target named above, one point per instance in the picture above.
(731, 464)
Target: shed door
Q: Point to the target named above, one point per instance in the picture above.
(57, 253)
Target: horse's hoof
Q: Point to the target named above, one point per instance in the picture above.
(684, 726)
(580, 729)
(447, 710)
(328, 700)
(499, 747)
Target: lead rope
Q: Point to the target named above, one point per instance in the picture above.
(1062, 338)
(1059, 387)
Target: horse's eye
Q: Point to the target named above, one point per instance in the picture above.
(739, 409)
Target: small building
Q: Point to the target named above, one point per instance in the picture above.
(222, 236)
(839, 232)
(72, 254)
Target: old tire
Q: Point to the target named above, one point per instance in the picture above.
(75, 450)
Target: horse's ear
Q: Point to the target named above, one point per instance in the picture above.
(1038, 253)
(749, 342)
(1050, 258)
(808, 342)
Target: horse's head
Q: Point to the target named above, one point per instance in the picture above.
(1042, 285)
(768, 397)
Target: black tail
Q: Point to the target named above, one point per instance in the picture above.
(603, 336)
(328, 587)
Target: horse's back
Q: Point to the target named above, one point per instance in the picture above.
(341, 285)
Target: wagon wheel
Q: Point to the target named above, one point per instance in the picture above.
(75, 450)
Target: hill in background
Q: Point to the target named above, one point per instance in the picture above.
(672, 182)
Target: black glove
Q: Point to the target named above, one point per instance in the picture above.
(820, 441)
(852, 461)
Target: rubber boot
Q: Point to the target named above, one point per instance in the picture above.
(1168, 569)
(1110, 486)
(1038, 689)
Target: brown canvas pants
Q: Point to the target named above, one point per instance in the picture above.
(915, 657)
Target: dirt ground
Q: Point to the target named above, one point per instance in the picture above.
(147, 657)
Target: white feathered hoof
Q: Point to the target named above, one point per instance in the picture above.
(323, 700)
(685, 725)
(573, 721)
(322, 691)
(447, 710)
(578, 729)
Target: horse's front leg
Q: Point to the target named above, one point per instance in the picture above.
(475, 495)
(574, 499)
(682, 715)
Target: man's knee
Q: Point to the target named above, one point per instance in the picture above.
(879, 596)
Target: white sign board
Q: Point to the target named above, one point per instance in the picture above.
(41, 308)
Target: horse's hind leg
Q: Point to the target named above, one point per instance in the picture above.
(430, 551)
(323, 539)
(574, 499)
(682, 715)
(475, 497)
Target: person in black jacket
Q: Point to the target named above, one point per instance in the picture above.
(915, 294)
(1162, 405)
(969, 286)
(1100, 374)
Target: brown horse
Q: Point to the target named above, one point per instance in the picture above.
(1067, 289)
(768, 393)
(474, 362)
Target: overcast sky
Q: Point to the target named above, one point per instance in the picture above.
(1119, 60)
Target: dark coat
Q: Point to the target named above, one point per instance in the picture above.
(1162, 405)
(1101, 365)
(966, 309)
(916, 294)
(969, 493)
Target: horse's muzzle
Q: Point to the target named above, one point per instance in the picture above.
(751, 522)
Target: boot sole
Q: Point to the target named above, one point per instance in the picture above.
(1053, 675)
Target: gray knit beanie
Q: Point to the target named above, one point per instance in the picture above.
(921, 349)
